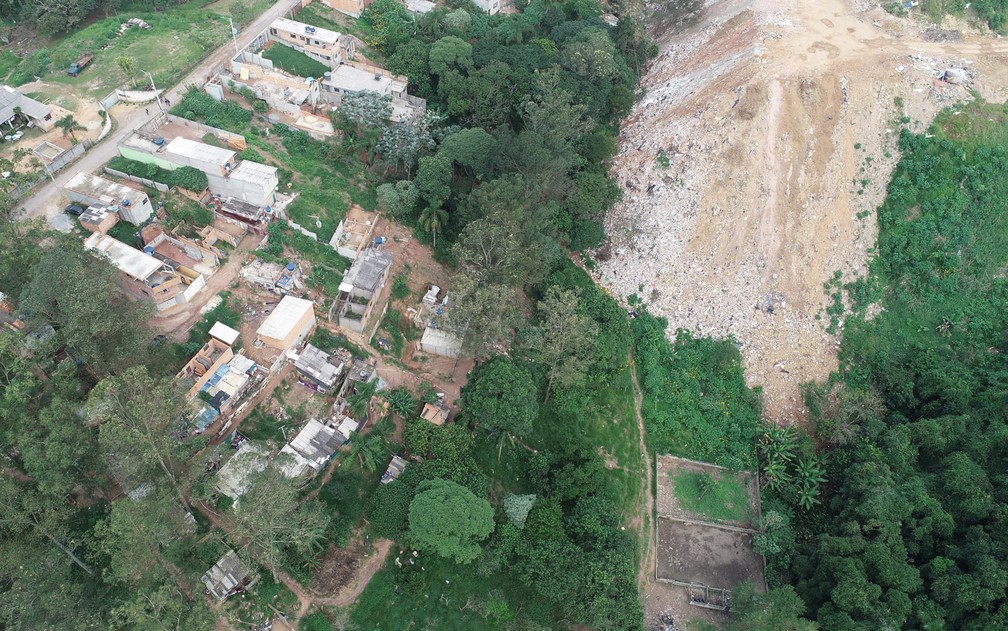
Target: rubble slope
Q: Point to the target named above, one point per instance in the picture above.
(753, 164)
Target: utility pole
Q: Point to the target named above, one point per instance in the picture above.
(157, 96)
(234, 34)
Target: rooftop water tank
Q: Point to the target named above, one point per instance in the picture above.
(269, 209)
(379, 240)
(291, 266)
(148, 249)
(125, 202)
(159, 140)
(327, 76)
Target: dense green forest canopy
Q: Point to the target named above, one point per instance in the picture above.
(913, 531)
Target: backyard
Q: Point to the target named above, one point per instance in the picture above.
(293, 61)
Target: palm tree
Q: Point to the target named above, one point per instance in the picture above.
(359, 401)
(69, 126)
(433, 219)
(128, 65)
(368, 449)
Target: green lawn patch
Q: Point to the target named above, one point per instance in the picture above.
(221, 313)
(392, 333)
(295, 62)
(125, 232)
(720, 497)
(433, 593)
(200, 106)
(262, 426)
(7, 62)
(177, 41)
(329, 342)
(315, 622)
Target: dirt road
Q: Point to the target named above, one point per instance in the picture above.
(48, 200)
(778, 120)
(176, 326)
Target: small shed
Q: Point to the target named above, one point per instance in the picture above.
(99, 219)
(436, 414)
(228, 576)
(394, 469)
(441, 342)
(289, 324)
(224, 333)
(347, 427)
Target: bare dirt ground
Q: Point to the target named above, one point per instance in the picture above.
(779, 122)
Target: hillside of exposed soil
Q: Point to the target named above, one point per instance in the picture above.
(753, 164)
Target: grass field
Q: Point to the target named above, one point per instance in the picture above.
(439, 594)
(176, 41)
(716, 497)
(294, 62)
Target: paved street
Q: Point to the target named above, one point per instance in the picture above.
(48, 200)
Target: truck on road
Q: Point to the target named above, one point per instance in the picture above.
(79, 65)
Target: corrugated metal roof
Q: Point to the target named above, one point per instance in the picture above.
(316, 442)
(227, 574)
(11, 98)
(130, 261)
(315, 364)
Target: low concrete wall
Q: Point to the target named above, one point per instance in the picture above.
(109, 100)
(207, 129)
(304, 231)
(107, 126)
(137, 96)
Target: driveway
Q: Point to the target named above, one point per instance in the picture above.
(48, 200)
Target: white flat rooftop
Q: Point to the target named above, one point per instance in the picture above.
(317, 32)
(224, 333)
(130, 261)
(200, 151)
(285, 317)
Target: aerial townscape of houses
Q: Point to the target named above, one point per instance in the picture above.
(171, 266)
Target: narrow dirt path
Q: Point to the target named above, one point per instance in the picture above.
(306, 597)
(646, 571)
(355, 587)
(177, 326)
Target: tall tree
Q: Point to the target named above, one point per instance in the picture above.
(564, 340)
(139, 537)
(367, 449)
(482, 314)
(78, 295)
(433, 219)
(68, 126)
(501, 398)
(449, 520)
(271, 520)
(30, 515)
(138, 419)
(128, 66)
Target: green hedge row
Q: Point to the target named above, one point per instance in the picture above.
(186, 177)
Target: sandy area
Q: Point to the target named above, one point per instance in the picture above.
(779, 122)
